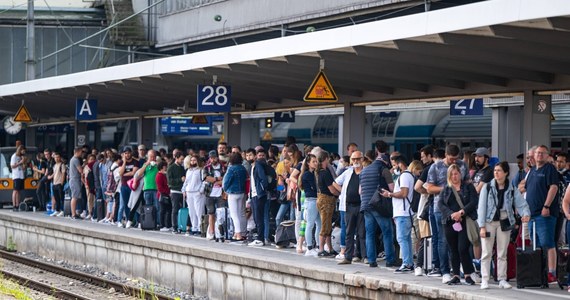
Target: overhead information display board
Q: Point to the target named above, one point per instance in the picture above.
(184, 126)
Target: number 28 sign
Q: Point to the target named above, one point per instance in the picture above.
(214, 98)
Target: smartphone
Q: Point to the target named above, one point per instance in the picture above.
(487, 234)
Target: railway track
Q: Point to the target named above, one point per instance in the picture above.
(100, 286)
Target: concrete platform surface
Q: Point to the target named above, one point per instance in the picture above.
(281, 260)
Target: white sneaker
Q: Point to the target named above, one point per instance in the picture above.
(129, 224)
(475, 277)
(60, 214)
(103, 220)
(256, 243)
(54, 214)
(119, 224)
(165, 229)
(88, 217)
(211, 236)
(419, 271)
(83, 215)
(446, 278)
(504, 284)
(313, 252)
(485, 285)
(339, 257)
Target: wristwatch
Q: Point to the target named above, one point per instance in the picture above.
(546, 206)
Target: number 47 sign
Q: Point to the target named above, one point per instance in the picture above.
(214, 98)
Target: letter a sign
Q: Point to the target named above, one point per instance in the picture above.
(86, 109)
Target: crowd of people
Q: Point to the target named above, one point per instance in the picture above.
(437, 195)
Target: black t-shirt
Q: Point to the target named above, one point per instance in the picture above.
(483, 175)
(352, 195)
(500, 203)
(325, 180)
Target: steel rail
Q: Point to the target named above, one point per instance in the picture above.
(83, 277)
(57, 293)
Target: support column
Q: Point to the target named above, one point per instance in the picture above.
(145, 132)
(354, 120)
(341, 144)
(537, 111)
(249, 133)
(232, 129)
(80, 134)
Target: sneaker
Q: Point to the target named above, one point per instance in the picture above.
(419, 271)
(312, 252)
(435, 272)
(256, 243)
(88, 217)
(323, 254)
(453, 281)
(446, 278)
(75, 217)
(129, 224)
(344, 262)
(187, 233)
(373, 265)
(102, 220)
(164, 229)
(552, 278)
(119, 224)
(333, 253)
(211, 236)
(54, 214)
(140, 226)
(60, 214)
(485, 285)
(382, 255)
(356, 259)
(504, 284)
(476, 278)
(365, 261)
(83, 215)
(468, 280)
(404, 270)
(339, 257)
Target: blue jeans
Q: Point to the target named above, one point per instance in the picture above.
(312, 218)
(404, 237)
(545, 227)
(442, 248)
(150, 198)
(372, 220)
(434, 239)
(123, 207)
(266, 210)
(283, 208)
(342, 229)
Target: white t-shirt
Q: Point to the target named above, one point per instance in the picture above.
(405, 180)
(17, 172)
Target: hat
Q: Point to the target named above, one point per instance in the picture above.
(142, 147)
(481, 152)
(213, 153)
(257, 148)
(127, 149)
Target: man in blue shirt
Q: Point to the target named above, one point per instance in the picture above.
(541, 189)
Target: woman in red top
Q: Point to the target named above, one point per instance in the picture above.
(163, 195)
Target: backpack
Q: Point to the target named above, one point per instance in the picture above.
(271, 177)
(414, 200)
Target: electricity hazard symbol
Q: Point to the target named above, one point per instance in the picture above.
(321, 90)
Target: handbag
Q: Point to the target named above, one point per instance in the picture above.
(165, 199)
(382, 204)
(425, 230)
(472, 227)
(133, 184)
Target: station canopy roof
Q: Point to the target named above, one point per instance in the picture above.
(500, 47)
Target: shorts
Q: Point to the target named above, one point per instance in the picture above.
(18, 184)
(75, 188)
(545, 227)
(213, 203)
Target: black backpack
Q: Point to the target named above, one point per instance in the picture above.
(415, 196)
(271, 177)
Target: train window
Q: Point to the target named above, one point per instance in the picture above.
(383, 124)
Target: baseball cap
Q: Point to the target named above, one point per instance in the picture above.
(127, 149)
(257, 148)
(481, 152)
(213, 153)
(142, 147)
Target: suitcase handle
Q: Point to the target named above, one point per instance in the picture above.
(533, 236)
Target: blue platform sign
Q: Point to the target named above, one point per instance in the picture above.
(466, 107)
(184, 126)
(284, 117)
(214, 98)
(86, 109)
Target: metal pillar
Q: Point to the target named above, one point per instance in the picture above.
(354, 121)
(537, 112)
(30, 43)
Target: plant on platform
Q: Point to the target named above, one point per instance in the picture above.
(11, 245)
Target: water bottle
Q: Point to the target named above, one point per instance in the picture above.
(48, 208)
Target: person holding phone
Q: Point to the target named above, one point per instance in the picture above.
(496, 219)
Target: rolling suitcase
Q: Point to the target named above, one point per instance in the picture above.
(531, 265)
(148, 217)
(182, 218)
(67, 207)
(428, 253)
(100, 209)
(562, 260)
(285, 234)
(224, 226)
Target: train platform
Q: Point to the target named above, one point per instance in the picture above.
(229, 270)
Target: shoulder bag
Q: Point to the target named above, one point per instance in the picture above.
(380, 203)
(472, 227)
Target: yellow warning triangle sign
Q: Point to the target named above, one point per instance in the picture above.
(321, 90)
(23, 115)
(199, 120)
